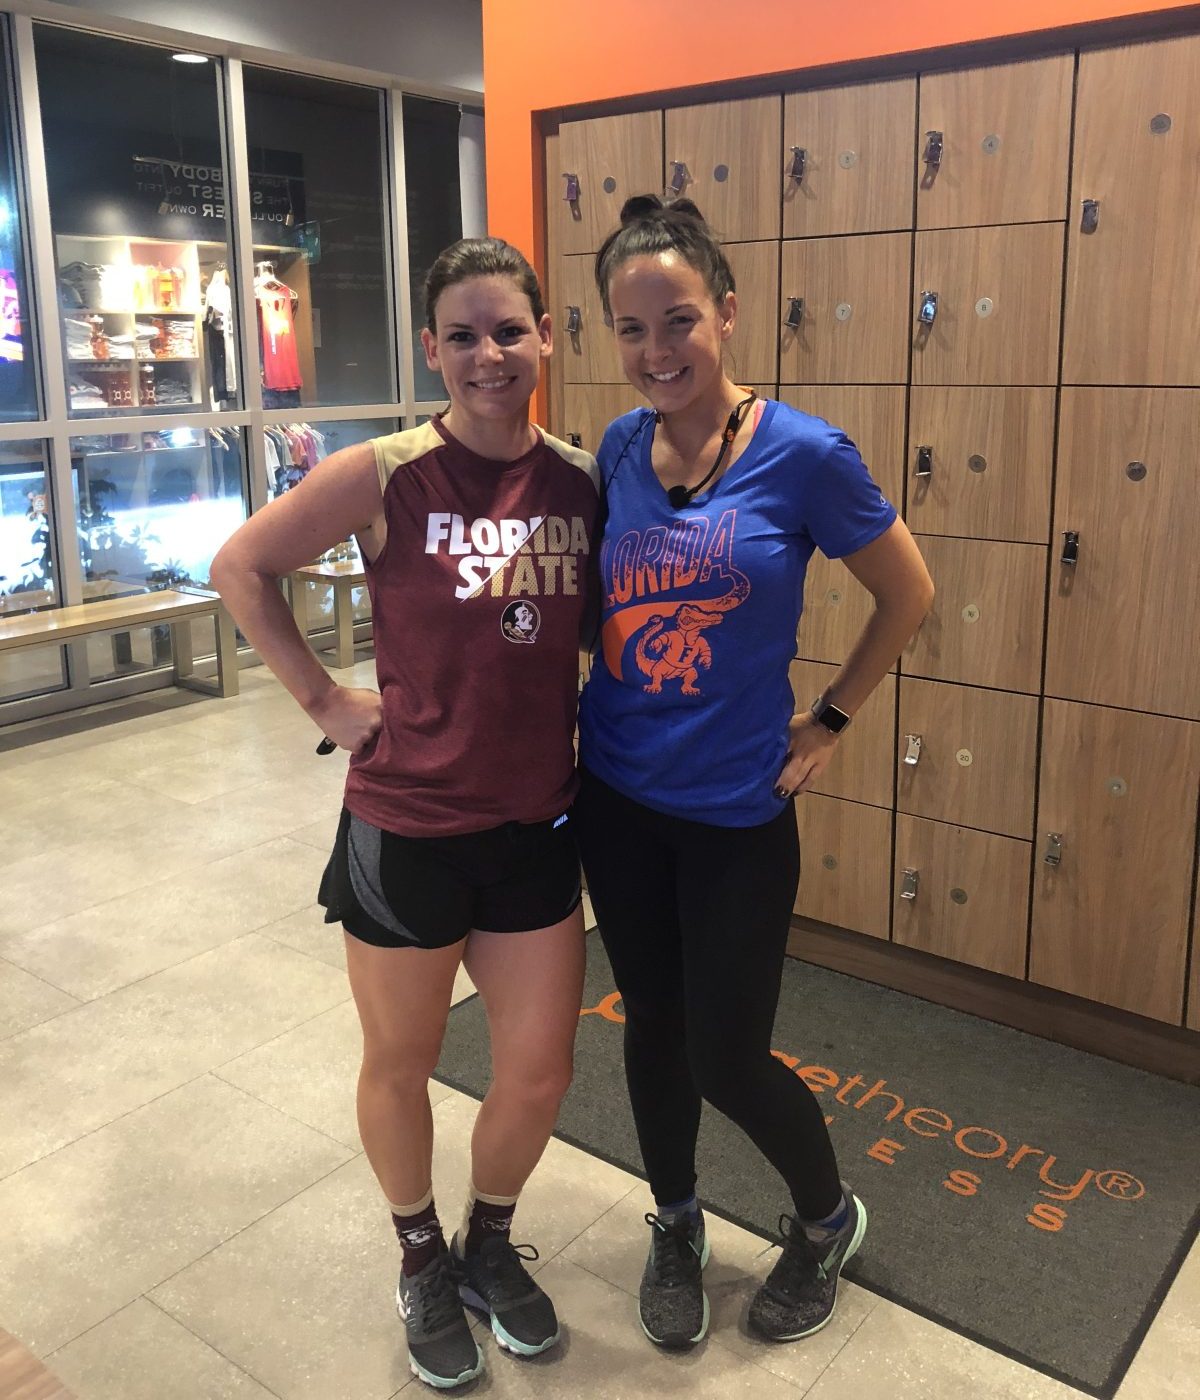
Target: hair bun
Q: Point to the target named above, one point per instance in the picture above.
(640, 206)
(685, 206)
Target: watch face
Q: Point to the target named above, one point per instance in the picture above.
(833, 719)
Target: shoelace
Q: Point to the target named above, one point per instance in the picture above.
(675, 1260)
(798, 1265)
(505, 1263)
(433, 1301)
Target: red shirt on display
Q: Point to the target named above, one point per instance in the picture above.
(477, 600)
(277, 331)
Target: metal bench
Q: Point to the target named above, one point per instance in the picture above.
(177, 610)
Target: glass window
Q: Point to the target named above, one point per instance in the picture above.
(153, 508)
(434, 208)
(318, 210)
(141, 229)
(28, 580)
(18, 385)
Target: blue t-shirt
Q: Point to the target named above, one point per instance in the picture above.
(688, 703)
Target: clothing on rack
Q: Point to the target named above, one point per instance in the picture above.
(277, 332)
(219, 339)
(292, 450)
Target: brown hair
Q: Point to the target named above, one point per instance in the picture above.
(480, 257)
(648, 227)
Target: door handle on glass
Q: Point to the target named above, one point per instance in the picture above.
(1053, 852)
(572, 191)
(934, 145)
(924, 466)
(1091, 216)
(795, 313)
(574, 320)
(927, 314)
(679, 177)
(1070, 554)
(908, 888)
(912, 749)
(799, 164)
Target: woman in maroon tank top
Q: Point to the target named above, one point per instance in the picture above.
(455, 845)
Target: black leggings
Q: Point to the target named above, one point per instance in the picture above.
(695, 919)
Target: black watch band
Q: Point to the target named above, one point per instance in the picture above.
(828, 714)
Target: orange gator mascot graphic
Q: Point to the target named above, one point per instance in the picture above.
(669, 653)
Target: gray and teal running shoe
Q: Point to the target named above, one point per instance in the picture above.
(798, 1296)
(671, 1303)
(441, 1348)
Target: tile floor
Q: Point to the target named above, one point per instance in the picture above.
(185, 1209)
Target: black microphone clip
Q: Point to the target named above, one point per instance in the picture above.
(680, 496)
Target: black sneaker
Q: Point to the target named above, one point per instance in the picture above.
(671, 1303)
(495, 1283)
(441, 1348)
(798, 1296)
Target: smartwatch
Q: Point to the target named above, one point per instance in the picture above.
(828, 714)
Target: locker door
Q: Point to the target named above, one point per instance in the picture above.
(589, 354)
(968, 756)
(999, 294)
(851, 325)
(861, 770)
(1123, 618)
(962, 894)
(553, 292)
(610, 159)
(754, 349)
(1005, 137)
(1193, 1019)
(987, 473)
(726, 157)
(1133, 284)
(871, 415)
(1110, 920)
(845, 864)
(590, 408)
(986, 624)
(855, 171)
(836, 609)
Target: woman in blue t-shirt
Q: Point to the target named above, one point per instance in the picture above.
(692, 756)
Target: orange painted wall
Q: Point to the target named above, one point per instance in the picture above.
(539, 55)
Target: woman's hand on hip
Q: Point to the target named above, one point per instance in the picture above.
(351, 718)
(810, 747)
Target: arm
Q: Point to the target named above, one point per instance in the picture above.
(337, 499)
(892, 570)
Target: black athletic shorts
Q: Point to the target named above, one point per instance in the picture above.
(431, 891)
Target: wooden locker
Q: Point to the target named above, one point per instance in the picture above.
(589, 355)
(1110, 919)
(754, 349)
(871, 415)
(1124, 617)
(1005, 139)
(852, 326)
(590, 408)
(988, 470)
(1133, 281)
(836, 609)
(999, 293)
(855, 173)
(986, 623)
(968, 756)
(861, 769)
(845, 864)
(726, 157)
(610, 159)
(962, 894)
(1193, 1018)
(552, 291)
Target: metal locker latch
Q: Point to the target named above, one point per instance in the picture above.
(924, 461)
(574, 320)
(679, 177)
(934, 145)
(908, 888)
(1091, 216)
(571, 194)
(799, 163)
(1070, 554)
(795, 312)
(927, 314)
(575, 440)
(912, 749)
(1053, 852)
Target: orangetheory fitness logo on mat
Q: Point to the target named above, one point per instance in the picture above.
(988, 1151)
